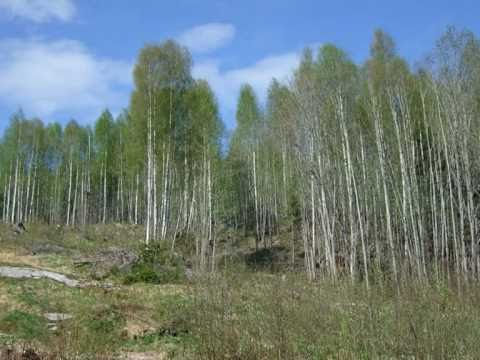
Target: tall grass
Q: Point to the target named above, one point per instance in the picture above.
(268, 317)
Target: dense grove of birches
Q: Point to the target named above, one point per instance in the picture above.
(361, 169)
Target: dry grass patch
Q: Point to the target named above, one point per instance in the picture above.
(23, 257)
(20, 258)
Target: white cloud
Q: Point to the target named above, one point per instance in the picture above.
(40, 10)
(261, 73)
(208, 37)
(226, 84)
(47, 78)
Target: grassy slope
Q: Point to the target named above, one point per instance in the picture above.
(137, 317)
(236, 314)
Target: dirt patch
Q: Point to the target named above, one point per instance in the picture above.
(136, 328)
(4, 300)
(19, 258)
(50, 262)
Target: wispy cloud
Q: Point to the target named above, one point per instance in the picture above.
(39, 10)
(208, 37)
(227, 83)
(47, 78)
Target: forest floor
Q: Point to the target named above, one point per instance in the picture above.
(238, 313)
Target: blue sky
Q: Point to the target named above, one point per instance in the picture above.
(63, 59)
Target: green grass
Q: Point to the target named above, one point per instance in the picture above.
(237, 313)
(24, 325)
(249, 316)
(100, 317)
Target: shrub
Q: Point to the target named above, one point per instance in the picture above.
(156, 266)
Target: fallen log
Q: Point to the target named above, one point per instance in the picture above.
(31, 273)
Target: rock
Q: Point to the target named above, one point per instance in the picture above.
(19, 228)
(30, 273)
(144, 356)
(188, 274)
(121, 258)
(106, 260)
(54, 317)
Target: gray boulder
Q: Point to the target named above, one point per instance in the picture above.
(107, 260)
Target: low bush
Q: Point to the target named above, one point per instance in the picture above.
(156, 265)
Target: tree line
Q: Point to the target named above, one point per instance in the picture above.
(367, 170)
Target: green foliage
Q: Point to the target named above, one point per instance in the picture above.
(156, 266)
(204, 128)
(161, 75)
(245, 140)
(105, 322)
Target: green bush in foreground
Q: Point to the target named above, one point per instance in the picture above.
(156, 266)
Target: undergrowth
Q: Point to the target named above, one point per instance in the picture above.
(256, 316)
(156, 265)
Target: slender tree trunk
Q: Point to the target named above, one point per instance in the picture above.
(69, 201)
(15, 187)
(255, 194)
